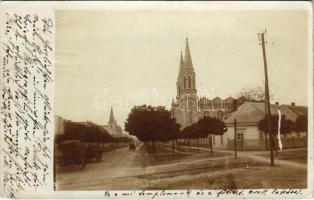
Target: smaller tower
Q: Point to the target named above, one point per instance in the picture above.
(111, 117)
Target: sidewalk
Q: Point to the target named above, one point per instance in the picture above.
(254, 155)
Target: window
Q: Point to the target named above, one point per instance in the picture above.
(261, 136)
(189, 82)
(184, 83)
(239, 136)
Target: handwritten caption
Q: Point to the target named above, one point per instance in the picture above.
(151, 194)
(26, 110)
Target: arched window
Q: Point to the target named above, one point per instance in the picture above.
(189, 82)
(194, 82)
(184, 83)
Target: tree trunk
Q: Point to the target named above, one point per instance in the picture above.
(147, 147)
(266, 143)
(154, 149)
(211, 144)
(198, 145)
(172, 146)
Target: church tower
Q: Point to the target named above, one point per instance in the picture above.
(113, 128)
(185, 109)
(186, 77)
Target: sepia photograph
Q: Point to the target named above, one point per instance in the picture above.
(177, 99)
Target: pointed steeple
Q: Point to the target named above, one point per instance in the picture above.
(111, 118)
(186, 77)
(181, 66)
(187, 55)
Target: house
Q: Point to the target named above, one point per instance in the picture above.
(249, 136)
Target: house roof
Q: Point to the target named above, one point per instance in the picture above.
(253, 112)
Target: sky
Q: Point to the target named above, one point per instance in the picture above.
(122, 58)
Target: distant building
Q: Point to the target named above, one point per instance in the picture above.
(112, 127)
(59, 125)
(188, 108)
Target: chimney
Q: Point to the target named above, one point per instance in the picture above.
(292, 104)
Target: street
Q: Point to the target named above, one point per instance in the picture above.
(123, 169)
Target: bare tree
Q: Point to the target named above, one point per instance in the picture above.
(253, 93)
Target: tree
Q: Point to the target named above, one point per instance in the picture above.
(286, 126)
(151, 124)
(212, 126)
(255, 94)
(204, 127)
(85, 133)
(192, 132)
(301, 123)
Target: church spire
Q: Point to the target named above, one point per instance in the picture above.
(111, 118)
(187, 55)
(186, 76)
(181, 66)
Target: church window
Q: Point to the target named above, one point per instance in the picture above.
(189, 82)
(184, 83)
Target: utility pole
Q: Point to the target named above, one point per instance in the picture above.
(265, 110)
(235, 138)
(267, 102)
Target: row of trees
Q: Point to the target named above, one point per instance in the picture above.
(151, 124)
(90, 133)
(287, 126)
(87, 133)
(205, 127)
(81, 143)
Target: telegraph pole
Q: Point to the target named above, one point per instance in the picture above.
(267, 102)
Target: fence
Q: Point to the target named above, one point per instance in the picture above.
(287, 143)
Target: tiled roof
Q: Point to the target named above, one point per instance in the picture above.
(253, 112)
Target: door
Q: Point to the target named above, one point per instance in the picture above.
(240, 140)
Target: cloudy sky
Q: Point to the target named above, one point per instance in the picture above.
(126, 57)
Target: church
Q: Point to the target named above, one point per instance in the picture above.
(113, 128)
(188, 107)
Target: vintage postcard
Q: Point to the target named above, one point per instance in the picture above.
(156, 100)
